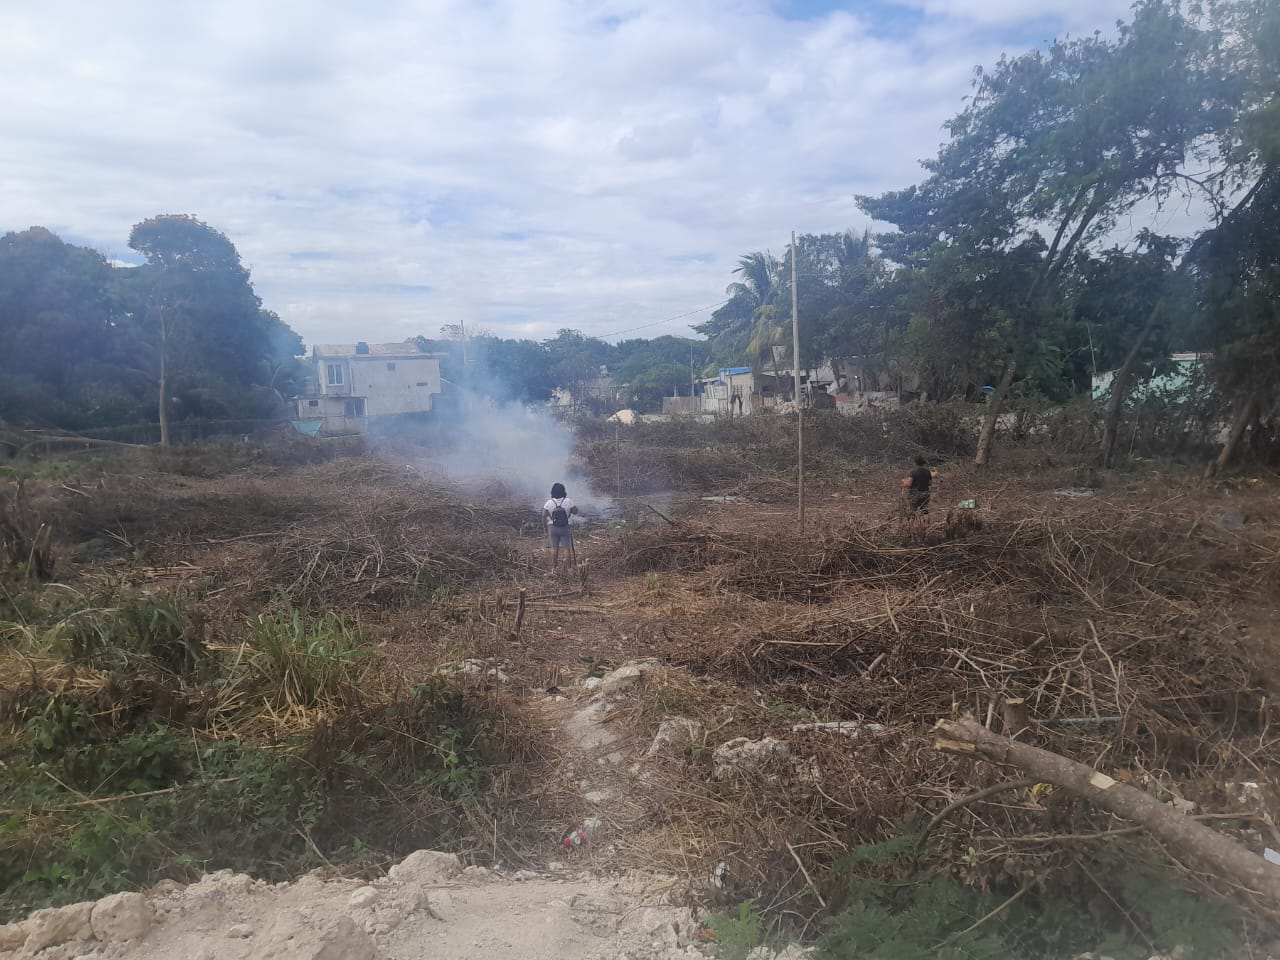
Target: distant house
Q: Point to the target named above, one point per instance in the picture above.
(596, 395)
(353, 382)
(737, 391)
(1178, 382)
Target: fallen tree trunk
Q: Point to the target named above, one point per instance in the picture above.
(1185, 836)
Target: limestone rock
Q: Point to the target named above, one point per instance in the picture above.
(674, 734)
(293, 938)
(55, 925)
(363, 897)
(426, 867)
(240, 931)
(624, 678)
(743, 754)
(121, 916)
(12, 936)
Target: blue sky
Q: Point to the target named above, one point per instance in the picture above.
(389, 167)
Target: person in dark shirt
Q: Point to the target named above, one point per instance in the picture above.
(917, 486)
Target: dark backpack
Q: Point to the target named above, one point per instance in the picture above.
(560, 516)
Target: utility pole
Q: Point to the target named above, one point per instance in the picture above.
(795, 363)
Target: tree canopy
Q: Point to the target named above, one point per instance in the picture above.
(1024, 261)
(89, 337)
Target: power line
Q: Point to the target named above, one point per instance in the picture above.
(679, 316)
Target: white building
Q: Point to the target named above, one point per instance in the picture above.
(352, 382)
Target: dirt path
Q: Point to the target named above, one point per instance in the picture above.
(429, 906)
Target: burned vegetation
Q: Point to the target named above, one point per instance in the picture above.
(334, 663)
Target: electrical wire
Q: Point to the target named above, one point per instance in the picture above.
(679, 316)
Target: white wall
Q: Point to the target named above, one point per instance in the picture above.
(408, 388)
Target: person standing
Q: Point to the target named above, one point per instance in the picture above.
(917, 485)
(555, 515)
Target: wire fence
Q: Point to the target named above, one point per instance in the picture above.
(35, 442)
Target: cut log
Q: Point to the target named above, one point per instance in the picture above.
(1185, 837)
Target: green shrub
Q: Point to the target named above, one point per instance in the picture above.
(137, 630)
(895, 909)
(737, 936)
(302, 663)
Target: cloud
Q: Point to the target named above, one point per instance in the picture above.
(389, 167)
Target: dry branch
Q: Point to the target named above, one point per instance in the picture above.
(1184, 835)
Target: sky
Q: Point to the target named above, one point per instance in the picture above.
(388, 167)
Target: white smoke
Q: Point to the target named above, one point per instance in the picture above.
(511, 447)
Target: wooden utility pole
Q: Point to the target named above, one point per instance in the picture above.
(795, 363)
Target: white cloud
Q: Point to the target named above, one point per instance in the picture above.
(389, 167)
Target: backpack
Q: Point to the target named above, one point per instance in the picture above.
(560, 516)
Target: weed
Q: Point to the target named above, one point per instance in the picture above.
(927, 915)
(738, 936)
(139, 626)
(302, 664)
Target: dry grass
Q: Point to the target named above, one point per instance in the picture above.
(1117, 625)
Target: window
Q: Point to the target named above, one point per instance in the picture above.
(313, 403)
(391, 366)
(353, 408)
(422, 383)
(333, 374)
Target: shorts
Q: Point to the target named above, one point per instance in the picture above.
(560, 536)
(919, 500)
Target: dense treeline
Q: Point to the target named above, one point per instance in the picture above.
(1015, 262)
(93, 344)
(639, 372)
(1018, 264)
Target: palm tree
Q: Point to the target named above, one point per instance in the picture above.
(769, 331)
(760, 275)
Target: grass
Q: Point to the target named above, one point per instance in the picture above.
(302, 663)
(134, 750)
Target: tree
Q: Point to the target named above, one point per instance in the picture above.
(1239, 269)
(1236, 263)
(732, 326)
(577, 362)
(193, 312)
(1128, 302)
(1053, 148)
(57, 332)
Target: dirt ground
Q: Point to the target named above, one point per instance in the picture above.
(715, 612)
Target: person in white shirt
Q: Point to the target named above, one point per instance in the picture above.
(555, 514)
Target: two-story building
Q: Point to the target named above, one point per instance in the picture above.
(353, 382)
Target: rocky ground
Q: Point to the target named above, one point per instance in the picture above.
(428, 906)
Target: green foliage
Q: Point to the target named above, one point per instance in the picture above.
(190, 768)
(138, 626)
(895, 908)
(926, 921)
(86, 337)
(738, 935)
(299, 662)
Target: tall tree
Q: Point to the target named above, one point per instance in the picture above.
(733, 324)
(57, 333)
(1237, 261)
(1053, 148)
(194, 311)
(1125, 305)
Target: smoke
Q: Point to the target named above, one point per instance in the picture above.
(487, 446)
